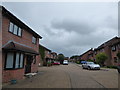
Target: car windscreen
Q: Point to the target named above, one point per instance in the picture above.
(90, 62)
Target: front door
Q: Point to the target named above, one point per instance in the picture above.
(28, 64)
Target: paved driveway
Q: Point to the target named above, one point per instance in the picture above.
(70, 76)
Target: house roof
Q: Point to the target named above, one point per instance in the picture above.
(14, 46)
(86, 52)
(45, 47)
(109, 43)
(13, 18)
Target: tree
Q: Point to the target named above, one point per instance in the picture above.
(42, 52)
(61, 58)
(100, 58)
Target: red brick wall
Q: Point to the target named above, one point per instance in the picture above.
(26, 39)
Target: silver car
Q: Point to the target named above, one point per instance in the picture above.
(91, 65)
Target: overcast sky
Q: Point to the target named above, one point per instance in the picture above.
(69, 28)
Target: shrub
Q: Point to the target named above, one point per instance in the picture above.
(78, 62)
(100, 58)
(89, 60)
(114, 67)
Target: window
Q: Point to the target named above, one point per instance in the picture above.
(34, 40)
(21, 61)
(11, 27)
(17, 60)
(20, 32)
(9, 61)
(15, 29)
(14, 61)
(113, 48)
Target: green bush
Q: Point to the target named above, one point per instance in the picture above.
(114, 67)
(78, 62)
(89, 60)
(100, 58)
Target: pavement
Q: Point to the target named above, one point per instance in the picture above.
(69, 76)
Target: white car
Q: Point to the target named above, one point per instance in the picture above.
(91, 65)
(65, 62)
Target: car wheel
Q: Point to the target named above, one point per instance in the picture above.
(89, 68)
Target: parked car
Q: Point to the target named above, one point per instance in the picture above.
(83, 62)
(90, 65)
(56, 63)
(65, 62)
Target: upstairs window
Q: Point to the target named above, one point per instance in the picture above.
(11, 27)
(15, 29)
(113, 48)
(34, 40)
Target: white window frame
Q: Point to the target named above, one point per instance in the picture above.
(14, 29)
(17, 61)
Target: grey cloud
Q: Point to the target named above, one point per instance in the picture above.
(73, 25)
(111, 22)
(69, 28)
(74, 43)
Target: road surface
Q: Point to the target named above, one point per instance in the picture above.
(69, 76)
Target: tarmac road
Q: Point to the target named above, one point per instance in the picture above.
(69, 76)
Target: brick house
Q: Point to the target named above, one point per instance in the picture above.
(20, 47)
(115, 48)
(87, 55)
(54, 55)
(110, 48)
(47, 55)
